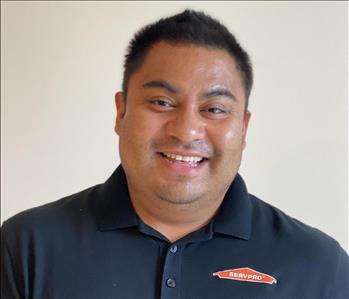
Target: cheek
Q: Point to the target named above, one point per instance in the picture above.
(139, 129)
(226, 137)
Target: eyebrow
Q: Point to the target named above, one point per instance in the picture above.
(219, 90)
(160, 84)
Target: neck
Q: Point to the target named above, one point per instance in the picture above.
(174, 221)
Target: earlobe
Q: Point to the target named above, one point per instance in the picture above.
(120, 105)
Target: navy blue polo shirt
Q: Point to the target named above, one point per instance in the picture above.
(93, 245)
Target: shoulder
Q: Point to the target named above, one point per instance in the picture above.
(63, 213)
(304, 251)
(284, 228)
(295, 239)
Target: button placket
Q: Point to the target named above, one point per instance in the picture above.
(170, 287)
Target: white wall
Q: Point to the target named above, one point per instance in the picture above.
(61, 64)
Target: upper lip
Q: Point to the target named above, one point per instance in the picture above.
(185, 154)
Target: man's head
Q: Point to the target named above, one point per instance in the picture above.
(183, 127)
(188, 27)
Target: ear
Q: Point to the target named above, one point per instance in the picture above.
(120, 104)
(245, 127)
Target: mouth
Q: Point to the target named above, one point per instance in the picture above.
(185, 160)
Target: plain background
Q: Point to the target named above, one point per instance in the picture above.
(61, 63)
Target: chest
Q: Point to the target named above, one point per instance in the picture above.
(132, 266)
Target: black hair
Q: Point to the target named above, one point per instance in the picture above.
(188, 27)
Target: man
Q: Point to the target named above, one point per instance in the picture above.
(175, 219)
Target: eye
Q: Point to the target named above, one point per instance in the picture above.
(215, 110)
(163, 103)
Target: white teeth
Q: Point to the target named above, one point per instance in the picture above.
(192, 159)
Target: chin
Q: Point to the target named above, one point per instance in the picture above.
(177, 194)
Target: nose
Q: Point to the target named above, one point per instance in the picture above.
(186, 125)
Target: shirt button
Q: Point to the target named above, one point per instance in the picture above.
(174, 248)
(171, 283)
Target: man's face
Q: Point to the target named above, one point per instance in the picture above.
(182, 128)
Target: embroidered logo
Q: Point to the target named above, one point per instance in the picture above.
(245, 274)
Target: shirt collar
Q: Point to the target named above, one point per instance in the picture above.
(116, 211)
(234, 217)
(115, 207)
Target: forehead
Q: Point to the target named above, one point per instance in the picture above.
(190, 68)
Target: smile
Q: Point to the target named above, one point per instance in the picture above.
(193, 159)
(190, 161)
